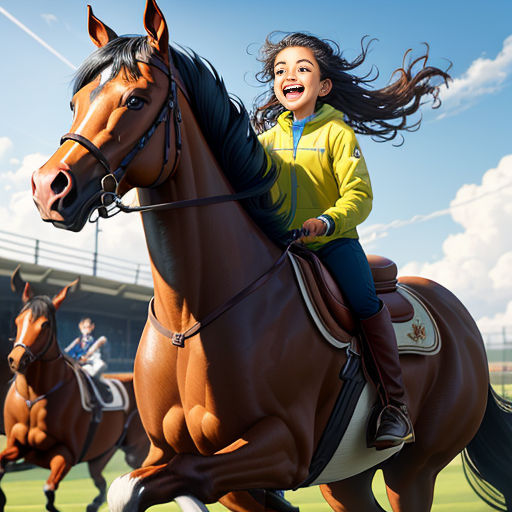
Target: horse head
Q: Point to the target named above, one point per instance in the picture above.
(35, 326)
(124, 102)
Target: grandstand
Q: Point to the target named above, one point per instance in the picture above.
(118, 305)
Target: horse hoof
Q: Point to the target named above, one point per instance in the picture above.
(3, 500)
(190, 504)
(122, 495)
(125, 492)
(50, 499)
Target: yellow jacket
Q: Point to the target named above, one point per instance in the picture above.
(328, 174)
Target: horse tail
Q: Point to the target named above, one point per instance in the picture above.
(487, 459)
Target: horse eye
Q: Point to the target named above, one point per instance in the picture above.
(45, 325)
(135, 103)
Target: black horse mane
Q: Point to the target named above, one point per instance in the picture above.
(223, 120)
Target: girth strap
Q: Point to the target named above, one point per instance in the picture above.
(353, 383)
(97, 415)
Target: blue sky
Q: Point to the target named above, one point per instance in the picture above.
(445, 161)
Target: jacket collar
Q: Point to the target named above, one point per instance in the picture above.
(325, 113)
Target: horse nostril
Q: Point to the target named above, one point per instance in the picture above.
(60, 183)
(10, 360)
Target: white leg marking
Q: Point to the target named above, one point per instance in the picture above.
(190, 504)
(120, 492)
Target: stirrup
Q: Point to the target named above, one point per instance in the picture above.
(389, 439)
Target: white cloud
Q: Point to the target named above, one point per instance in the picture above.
(494, 324)
(484, 76)
(5, 146)
(477, 263)
(20, 178)
(49, 18)
(120, 237)
(501, 273)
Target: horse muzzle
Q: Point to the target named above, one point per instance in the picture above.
(58, 199)
(19, 360)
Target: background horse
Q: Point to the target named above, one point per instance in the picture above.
(44, 419)
(5, 374)
(233, 381)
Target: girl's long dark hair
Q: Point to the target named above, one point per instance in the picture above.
(381, 113)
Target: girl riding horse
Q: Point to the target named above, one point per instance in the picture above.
(234, 382)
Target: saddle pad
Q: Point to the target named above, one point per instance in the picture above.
(120, 399)
(310, 305)
(419, 335)
(352, 455)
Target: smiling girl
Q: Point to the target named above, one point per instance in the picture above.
(313, 110)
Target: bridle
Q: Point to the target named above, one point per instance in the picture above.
(37, 357)
(170, 109)
(109, 183)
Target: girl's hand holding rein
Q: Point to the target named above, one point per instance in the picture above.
(315, 227)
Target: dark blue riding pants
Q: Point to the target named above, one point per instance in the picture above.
(346, 260)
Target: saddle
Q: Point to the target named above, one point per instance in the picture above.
(343, 450)
(100, 394)
(324, 296)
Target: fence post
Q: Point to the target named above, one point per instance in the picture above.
(137, 274)
(36, 252)
(94, 263)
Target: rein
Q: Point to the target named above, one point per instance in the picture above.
(185, 203)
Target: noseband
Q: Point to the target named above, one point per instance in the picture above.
(31, 356)
(36, 357)
(169, 109)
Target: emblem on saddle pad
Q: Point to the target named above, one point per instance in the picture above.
(418, 331)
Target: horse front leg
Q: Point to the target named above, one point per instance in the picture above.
(96, 467)
(59, 459)
(265, 457)
(12, 452)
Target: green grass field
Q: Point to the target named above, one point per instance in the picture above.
(24, 492)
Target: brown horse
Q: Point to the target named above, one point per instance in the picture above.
(5, 376)
(234, 383)
(44, 419)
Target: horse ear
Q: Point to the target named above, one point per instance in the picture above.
(100, 33)
(70, 288)
(27, 293)
(156, 27)
(17, 282)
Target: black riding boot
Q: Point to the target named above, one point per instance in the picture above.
(393, 426)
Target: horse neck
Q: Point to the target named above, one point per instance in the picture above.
(204, 255)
